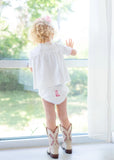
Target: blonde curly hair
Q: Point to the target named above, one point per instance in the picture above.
(42, 31)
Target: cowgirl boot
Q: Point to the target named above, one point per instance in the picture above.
(53, 142)
(67, 141)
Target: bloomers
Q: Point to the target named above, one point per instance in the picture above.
(55, 95)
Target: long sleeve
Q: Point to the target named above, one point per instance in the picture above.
(65, 50)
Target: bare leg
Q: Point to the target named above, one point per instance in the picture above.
(62, 114)
(50, 114)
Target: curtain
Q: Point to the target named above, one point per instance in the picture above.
(101, 70)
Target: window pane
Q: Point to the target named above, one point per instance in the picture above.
(21, 110)
(71, 19)
(76, 26)
(77, 99)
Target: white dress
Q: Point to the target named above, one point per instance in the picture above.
(47, 62)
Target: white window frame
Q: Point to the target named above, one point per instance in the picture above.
(23, 63)
(41, 141)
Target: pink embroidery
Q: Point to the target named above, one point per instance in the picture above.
(52, 139)
(65, 138)
(56, 93)
(57, 139)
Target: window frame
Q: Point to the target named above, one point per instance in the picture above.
(24, 63)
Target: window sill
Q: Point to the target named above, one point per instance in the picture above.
(42, 141)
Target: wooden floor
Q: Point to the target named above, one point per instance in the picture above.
(99, 151)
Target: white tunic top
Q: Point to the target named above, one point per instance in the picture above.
(47, 62)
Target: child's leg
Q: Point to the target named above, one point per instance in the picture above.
(66, 127)
(62, 114)
(51, 129)
(50, 114)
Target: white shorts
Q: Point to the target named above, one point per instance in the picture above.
(55, 95)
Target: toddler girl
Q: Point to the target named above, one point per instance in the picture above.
(50, 76)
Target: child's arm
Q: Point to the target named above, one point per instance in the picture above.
(70, 43)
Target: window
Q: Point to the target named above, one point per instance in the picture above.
(21, 110)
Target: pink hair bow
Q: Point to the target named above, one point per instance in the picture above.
(47, 19)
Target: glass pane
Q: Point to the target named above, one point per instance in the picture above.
(76, 26)
(70, 18)
(77, 99)
(21, 110)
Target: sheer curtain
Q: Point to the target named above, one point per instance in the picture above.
(101, 70)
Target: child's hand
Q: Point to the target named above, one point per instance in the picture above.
(31, 69)
(70, 43)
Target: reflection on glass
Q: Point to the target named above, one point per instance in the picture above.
(21, 110)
